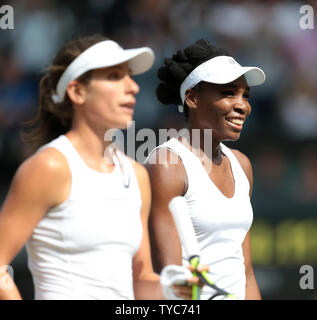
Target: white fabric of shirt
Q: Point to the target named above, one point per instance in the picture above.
(83, 248)
(220, 223)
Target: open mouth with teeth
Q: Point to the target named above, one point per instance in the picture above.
(235, 122)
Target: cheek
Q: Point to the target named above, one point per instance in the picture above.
(212, 117)
(103, 97)
(249, 110)
(221, 109)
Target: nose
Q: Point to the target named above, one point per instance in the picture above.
(132, 86)
(242, 106)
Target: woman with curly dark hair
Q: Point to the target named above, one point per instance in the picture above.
(213, 91)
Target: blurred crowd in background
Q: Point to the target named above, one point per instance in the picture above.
(279, 137)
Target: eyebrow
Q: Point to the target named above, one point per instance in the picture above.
(234, 86)
(119, 66)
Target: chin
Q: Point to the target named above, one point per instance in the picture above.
(122, 126)
(232, 137)
(124, 123)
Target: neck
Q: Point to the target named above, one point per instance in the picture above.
(89, 141)
(205, 140)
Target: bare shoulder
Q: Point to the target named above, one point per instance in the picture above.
(167, 171)
(45, 175)
(41, 183)
(45, 163)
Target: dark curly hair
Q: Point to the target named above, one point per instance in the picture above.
(177, 68)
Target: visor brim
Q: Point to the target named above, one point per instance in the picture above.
(253, 75)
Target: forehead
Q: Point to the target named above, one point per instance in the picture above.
(121, 67)
(239, 83)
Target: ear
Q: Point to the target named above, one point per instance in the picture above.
(191, 99)
(77, 92)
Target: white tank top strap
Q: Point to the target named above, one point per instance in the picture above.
(122, 162)
(64, 146)
(242, 183)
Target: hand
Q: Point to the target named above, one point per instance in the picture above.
(177, 281)
(185, 291)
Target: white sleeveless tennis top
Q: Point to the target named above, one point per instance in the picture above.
(220, 223)
(83, 248)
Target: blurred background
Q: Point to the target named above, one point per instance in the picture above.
(279, 137)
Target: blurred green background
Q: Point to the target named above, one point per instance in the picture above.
(279, 137)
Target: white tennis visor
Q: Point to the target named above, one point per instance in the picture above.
(221, 70)
(101, 55)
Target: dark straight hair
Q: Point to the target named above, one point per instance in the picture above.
(53, 119)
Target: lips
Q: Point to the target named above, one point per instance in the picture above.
(129, 107)
(235, 122)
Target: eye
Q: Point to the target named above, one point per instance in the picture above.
(115, 75)
(246, 96)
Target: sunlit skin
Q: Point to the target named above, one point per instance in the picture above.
(110, 97)
(211, 106)
(106, 103)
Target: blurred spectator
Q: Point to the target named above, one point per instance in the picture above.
(18, 95)
(40, 28)
(298, 108)
(246, 21)
(270, 174)
(306, 188)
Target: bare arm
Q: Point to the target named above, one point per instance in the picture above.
(167, 181)
(145, 281)
(40, 183)
(252, 289)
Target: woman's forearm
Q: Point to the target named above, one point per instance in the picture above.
(149, 284)
(8, 289)
(252, 289)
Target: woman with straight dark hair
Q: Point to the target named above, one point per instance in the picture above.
(80, 206)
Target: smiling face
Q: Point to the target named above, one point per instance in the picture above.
(220, 107)
(108, 99)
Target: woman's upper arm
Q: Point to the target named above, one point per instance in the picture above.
(142, 264)
(39, 184)
(167, 181)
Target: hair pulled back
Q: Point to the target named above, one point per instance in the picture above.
(53, 119)
(176, 69)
